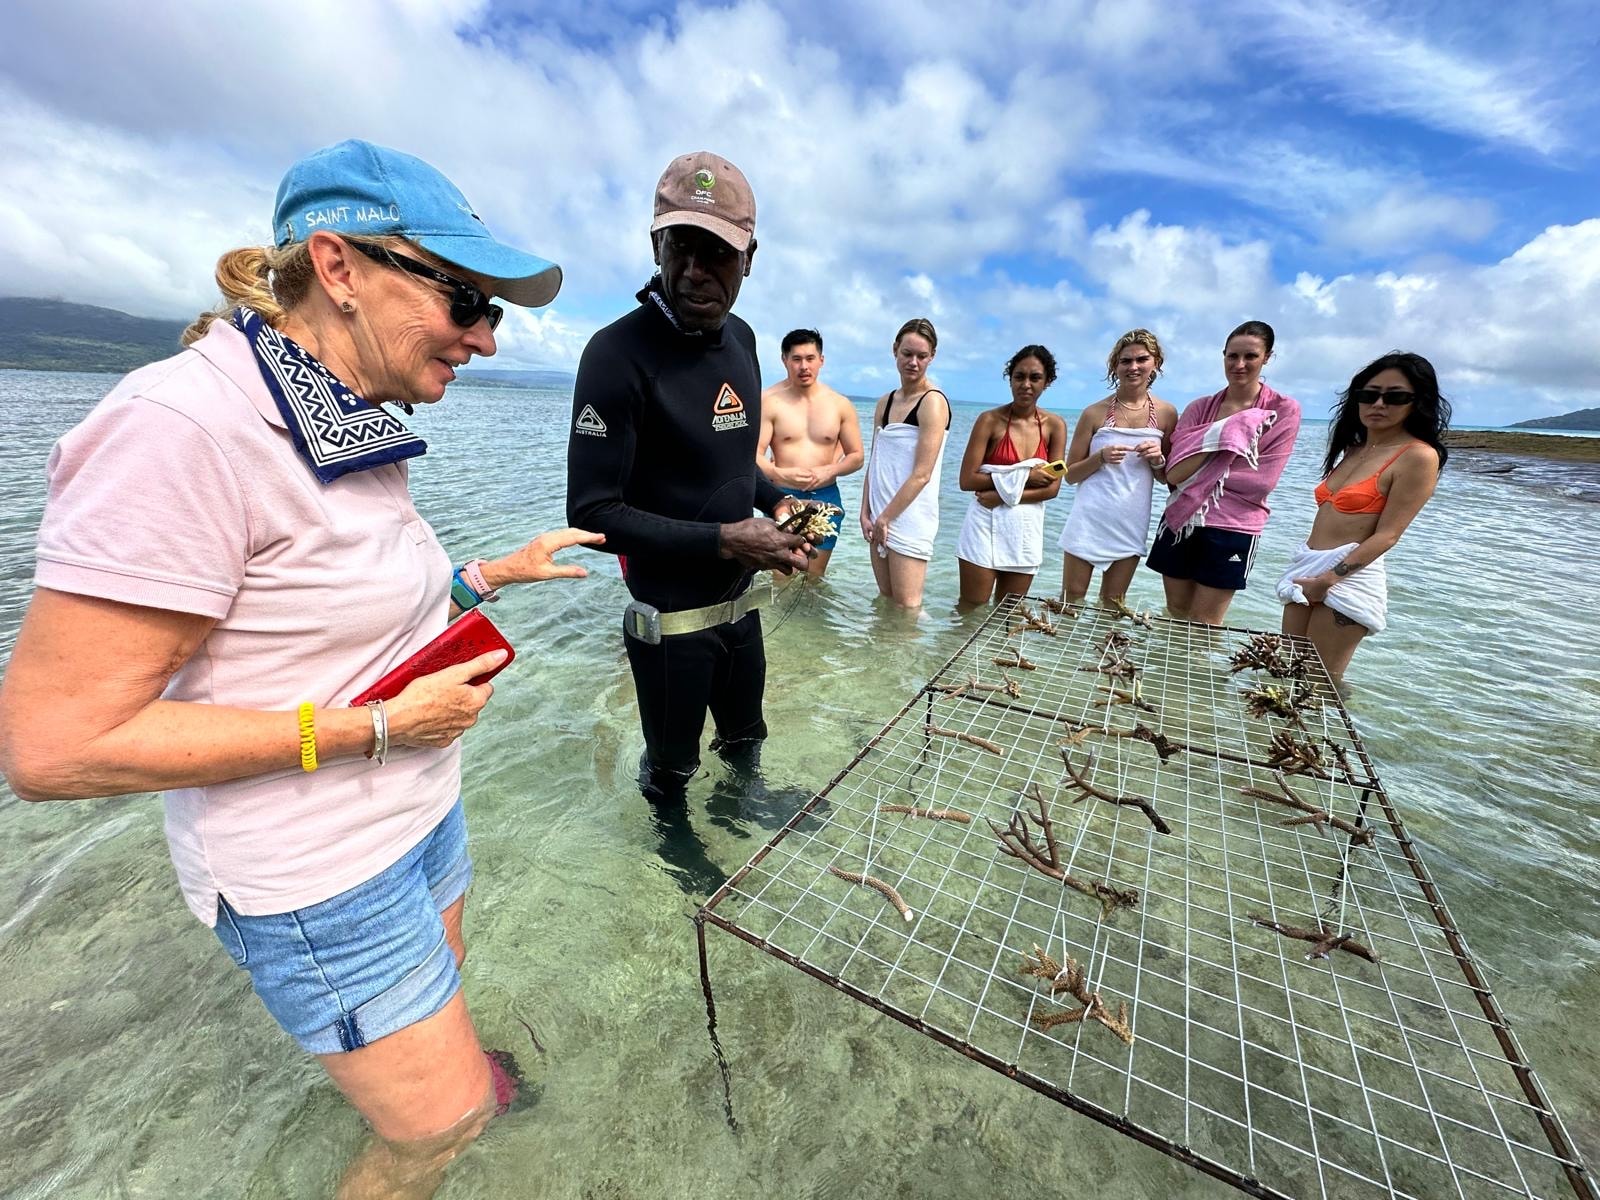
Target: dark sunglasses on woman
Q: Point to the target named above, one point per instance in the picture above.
(1392, 399)
(468, 303)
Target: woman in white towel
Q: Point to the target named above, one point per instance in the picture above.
(1002, 538)
(1385, 452)
(1119, 450)
(900, 498)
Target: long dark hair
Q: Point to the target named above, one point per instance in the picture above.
(1427, 421)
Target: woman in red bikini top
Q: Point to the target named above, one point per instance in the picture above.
(1003, 437)
(1385, 452)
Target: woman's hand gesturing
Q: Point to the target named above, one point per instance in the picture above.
(536, 560)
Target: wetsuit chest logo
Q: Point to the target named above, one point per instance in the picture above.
(727, 412)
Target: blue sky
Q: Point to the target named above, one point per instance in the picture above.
(1364, 176)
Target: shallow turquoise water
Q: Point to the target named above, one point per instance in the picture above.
(135, 1062)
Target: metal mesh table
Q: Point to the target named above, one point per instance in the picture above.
(1300, 1015)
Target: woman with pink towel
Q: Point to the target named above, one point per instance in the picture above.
(1228, 452)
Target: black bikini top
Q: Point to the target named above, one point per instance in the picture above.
(911, 417)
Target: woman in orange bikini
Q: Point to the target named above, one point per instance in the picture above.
(1385, 452)
(1002, 539)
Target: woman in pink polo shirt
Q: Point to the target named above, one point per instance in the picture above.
(228, 554)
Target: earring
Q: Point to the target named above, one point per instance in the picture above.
(348, 307)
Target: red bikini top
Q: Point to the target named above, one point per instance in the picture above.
(1005, 453)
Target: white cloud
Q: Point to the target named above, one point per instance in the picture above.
(1505, 335)
(1170, 266)
(1345, 197)
(1402, 219)
(91, 214)
(968, 162)
(1376, 67)
(544, 336)
(1511, 338)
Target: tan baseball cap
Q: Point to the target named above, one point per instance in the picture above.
(707, 191)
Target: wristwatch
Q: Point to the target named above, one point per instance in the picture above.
(1341, 569)
(473, 571)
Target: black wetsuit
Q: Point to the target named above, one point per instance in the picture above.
(662, 452)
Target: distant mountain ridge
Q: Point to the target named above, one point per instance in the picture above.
(1584, 418)
(536, 377)
(53, 335)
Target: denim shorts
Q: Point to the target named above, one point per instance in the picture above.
(367, 962)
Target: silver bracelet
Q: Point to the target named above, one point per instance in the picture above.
(380, 731)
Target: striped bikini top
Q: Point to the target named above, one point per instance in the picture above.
(1149, 413)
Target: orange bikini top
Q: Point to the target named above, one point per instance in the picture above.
(1362, 496)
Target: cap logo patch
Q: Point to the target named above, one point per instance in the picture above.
(704, 181)
(589, 422)
(727, 412)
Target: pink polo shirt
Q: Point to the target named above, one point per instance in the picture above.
(182, 491)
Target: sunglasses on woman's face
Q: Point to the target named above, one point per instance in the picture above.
(468, 303)
(1392, 399)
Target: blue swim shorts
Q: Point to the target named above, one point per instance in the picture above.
(367, 962)
(826, 495)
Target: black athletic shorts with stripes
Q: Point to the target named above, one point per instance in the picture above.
(1214, 558)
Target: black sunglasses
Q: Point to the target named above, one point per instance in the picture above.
(1392, 399)
(468, 303)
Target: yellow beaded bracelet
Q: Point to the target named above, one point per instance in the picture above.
(308, 738)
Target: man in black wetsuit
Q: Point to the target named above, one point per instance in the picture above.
(661, 459)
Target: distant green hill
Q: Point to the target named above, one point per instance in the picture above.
(1584, 418)
(52, 335)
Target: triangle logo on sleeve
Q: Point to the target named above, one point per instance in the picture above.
(727, 411)
(589, 422)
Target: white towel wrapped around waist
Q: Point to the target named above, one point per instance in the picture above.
(1110, 517)
(1363, 595)
(894, 455)
(1010, 536)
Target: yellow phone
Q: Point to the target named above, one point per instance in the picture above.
(1057, 468)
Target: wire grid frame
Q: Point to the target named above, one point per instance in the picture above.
(1253, 1058)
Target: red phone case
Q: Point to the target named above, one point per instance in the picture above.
(465, 638)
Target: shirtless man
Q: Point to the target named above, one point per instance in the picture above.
(812, 432)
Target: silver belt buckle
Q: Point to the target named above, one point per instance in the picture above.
(642, 622)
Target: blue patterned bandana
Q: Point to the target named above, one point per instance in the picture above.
(335, 430)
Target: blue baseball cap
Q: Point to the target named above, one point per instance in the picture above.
(361, 188)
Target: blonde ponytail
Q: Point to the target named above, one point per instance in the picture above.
(268, 279)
